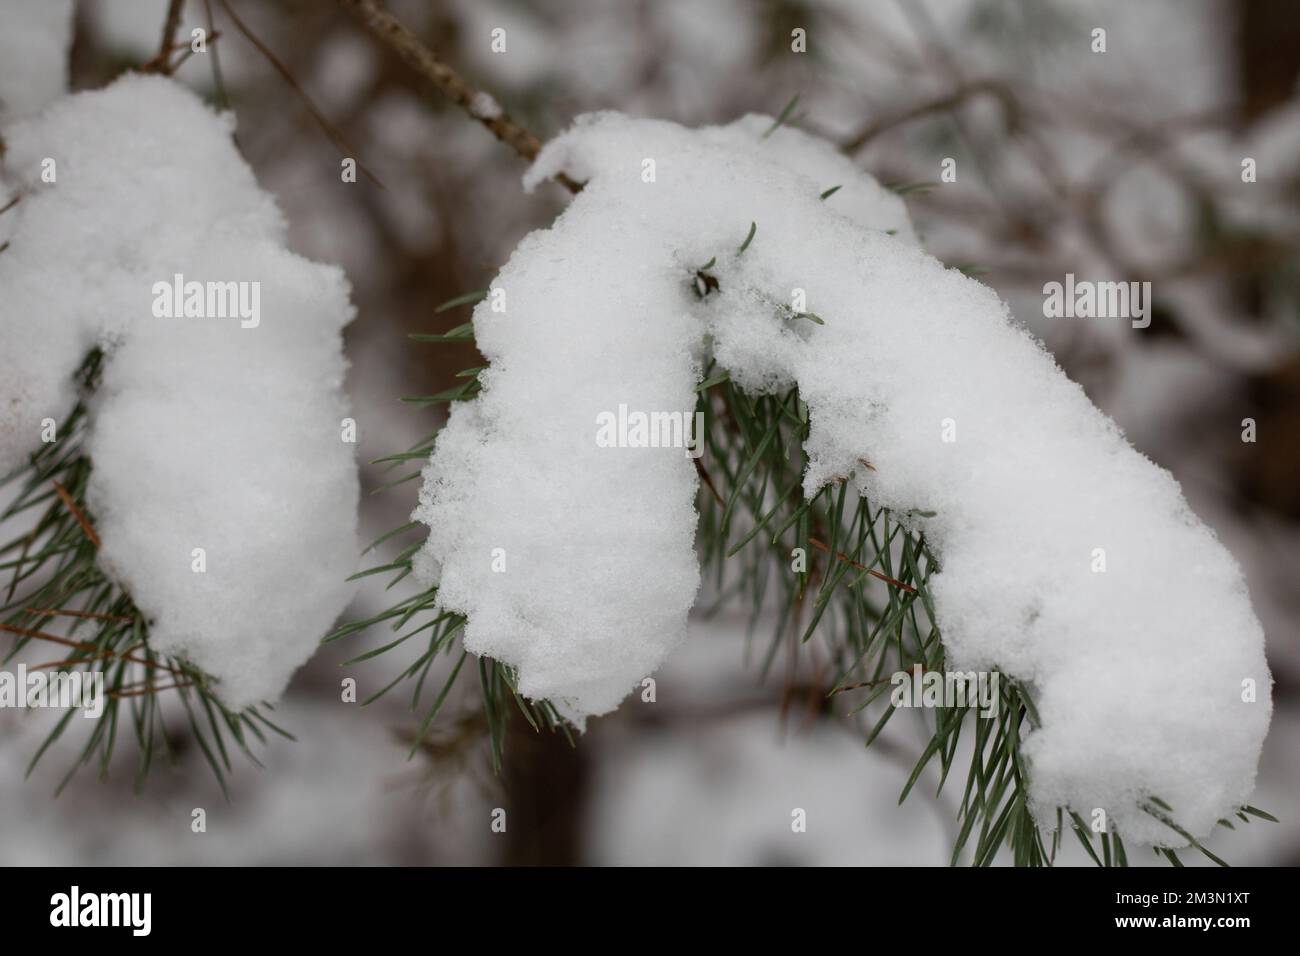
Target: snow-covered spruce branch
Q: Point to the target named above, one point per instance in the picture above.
(832, 357)
(168, 369)
(58, 597)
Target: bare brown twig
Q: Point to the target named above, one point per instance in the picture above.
(77, 513)
(85, 646)
(326, 126)
(448, 82)
(708, 482)
(841, 556)
(916, 669)
(161, 62)
(88, 615)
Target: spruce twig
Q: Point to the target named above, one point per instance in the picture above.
(391, 31)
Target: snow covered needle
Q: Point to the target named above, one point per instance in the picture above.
(953, 482)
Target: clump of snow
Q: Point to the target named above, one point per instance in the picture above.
(34, 46)
(1137, 671)
(582, 589)
(484, 107)
(213, 433)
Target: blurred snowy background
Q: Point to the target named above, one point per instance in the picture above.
(1125, 164)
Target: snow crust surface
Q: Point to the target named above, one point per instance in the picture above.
(1139, 672)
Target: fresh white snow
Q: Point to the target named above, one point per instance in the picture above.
(484, 107)
(1137, 671)
(207, 432)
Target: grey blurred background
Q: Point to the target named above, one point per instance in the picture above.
(1124, 164)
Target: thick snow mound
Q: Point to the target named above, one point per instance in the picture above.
(1139, 671)
(573, 561)
(221, 431)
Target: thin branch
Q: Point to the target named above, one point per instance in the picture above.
(861, 567)
(218, 80)
(708, 483)
(161, 63)
(213, 37)
(70, 662)
(914, 669)
(89, 615)
(85, 646)
(449, 83)
(938, 105)
(146, 691)
(330, 131)
(77, 513)
(170, 26)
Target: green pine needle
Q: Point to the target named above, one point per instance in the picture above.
(785, 115)
(753, 228)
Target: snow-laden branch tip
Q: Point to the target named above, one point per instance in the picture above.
(222, 487)
(574, 562)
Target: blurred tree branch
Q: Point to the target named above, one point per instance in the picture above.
(449, 83)
(854, 144)
(161, 63)
(334, 136)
